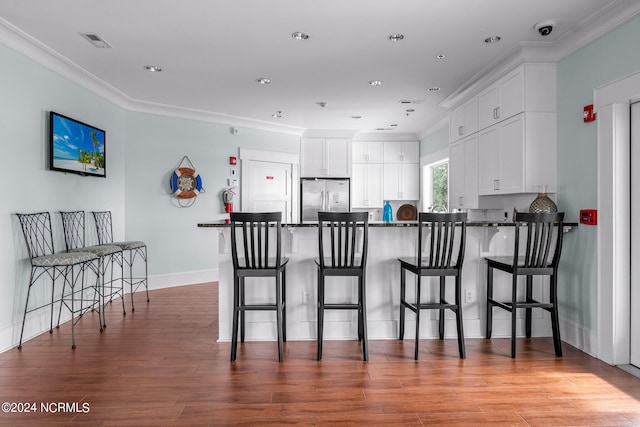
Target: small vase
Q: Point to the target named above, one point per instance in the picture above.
(543, 204)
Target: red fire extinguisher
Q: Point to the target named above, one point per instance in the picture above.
(227, 198)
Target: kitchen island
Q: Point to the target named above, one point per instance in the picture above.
(387, 242)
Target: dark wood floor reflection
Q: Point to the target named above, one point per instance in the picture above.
(162, 366)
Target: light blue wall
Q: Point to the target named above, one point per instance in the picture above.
(142, 151)
(155, 146)
(435, 141)
(608, 58)
(28, 91)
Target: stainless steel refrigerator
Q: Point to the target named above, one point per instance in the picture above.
(323, 195)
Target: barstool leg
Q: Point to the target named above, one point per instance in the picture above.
(489, 304)
(557, 343)
(363, 317)
(529, 297)
(459, 320)
(441, 314)
(514, 312)
(234, 329)
(417, 346)
(279, 317)
(402, 302)
(320, 312)
(284, 305)
(242, 312)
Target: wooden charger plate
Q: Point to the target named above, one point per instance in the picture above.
(407, 213)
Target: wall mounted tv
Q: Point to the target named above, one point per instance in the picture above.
(76, 147)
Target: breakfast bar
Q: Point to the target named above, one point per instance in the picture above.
(387, 242)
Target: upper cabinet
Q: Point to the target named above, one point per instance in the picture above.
(529, 87)
(463, 121)
(325, 157)
(518, 155)
(463, 184)
(401, 152)
(367, 151)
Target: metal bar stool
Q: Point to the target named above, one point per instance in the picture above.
(131, 249)
(71, 267)
(73, 224)
(254, 254)
(346, 255)
(444, 259)
(540, 257)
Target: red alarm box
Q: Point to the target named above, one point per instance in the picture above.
(589, 217)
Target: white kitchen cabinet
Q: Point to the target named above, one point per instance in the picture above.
(529, 87)
(463, 121)
(367, 151)
(518, 155)
(463, 174)
(401, 152)
(366, 185)
(401, 181)
(325, 157)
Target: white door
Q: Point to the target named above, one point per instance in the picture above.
(269, 188)
(635, 235)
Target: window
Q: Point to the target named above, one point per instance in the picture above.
(436, 185)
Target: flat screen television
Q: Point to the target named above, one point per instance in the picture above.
(76, 147)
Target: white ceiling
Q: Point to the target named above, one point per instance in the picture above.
(212, 52)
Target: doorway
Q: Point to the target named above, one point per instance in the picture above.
(268, 183)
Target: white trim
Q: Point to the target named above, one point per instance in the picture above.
(293, 159)
(612, 106)
(269, 156)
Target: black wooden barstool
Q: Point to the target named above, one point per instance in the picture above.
(254, 254)
(540, 257)
(444, 259)
(346, 255)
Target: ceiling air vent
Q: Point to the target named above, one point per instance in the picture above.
(96, 40)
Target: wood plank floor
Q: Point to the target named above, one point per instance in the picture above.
(162, 366)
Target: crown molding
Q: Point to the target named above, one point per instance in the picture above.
(584, 33)
(395, 137)
(35, 50)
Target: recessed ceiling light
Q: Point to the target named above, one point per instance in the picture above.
(356, 117)
(492, 39)
(440, 56)
(299, 35)
(375, 82)
(396, 37)
(322, 104)
(410, 110)
(152, 68)
(263, 81)
(277, 115)
(393, 124)
(434, 89)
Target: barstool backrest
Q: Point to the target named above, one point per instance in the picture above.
(38, 234)
(73, 226)
(104, 226)
(250, 243)
(446, 247)
(345, 249)
(543, 246)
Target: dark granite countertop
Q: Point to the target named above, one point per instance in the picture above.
(222, 224)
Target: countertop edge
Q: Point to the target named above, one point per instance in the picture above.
(399, 224)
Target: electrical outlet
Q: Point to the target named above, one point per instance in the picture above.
(306, 297)
(468, 295)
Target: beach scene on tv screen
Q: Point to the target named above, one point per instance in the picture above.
(77, 147)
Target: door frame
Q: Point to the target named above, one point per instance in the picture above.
(293, 159)
(612, 103)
